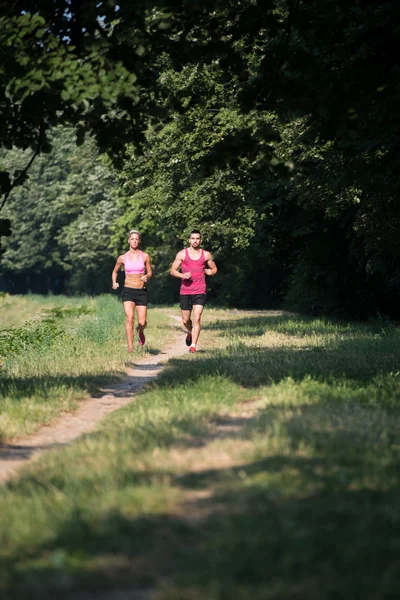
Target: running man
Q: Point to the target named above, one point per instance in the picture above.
(134, 294)
(194, 263)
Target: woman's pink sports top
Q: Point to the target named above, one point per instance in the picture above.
(197, 284)
(134, 267)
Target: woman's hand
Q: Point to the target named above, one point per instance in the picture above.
(144, 278)
(115, 286)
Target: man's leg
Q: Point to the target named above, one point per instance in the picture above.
(196, 317)
(186, 320)
(186, 309)
(129, 308)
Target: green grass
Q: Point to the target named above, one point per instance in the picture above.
(64, 352)
(264, 467)
(15, 310)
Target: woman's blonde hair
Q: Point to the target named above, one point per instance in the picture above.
(133, 231)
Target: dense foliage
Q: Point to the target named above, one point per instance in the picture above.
(315, 87)
(270, 125)
(62, 221)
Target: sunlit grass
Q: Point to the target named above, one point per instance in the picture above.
(16, 309)
(45, 379)
(265, 466)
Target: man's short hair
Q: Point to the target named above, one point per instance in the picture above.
(195, 231)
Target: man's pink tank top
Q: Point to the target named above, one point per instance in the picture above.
(197, 284)
(134, 267)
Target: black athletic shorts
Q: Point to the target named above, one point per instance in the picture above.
(188, 300)
(139, 296)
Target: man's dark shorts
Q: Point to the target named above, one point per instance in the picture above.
(187, 301)
(139, 296)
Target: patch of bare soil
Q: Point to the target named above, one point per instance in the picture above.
(71, 426)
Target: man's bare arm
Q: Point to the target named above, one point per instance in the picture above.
(176, 265)
(212, 267)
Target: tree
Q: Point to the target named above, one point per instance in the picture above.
(218, 101)
(63, 219)
(324, 79)
(93, 64)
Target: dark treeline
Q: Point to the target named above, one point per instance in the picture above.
(271, 126)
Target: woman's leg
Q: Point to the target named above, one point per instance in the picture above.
(142, 316)
(129, 308)
(142, 322)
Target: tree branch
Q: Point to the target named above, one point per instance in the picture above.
(23, 173)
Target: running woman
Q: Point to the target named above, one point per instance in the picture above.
(194, 263)
(134, 294)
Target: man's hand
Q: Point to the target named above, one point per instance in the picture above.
(187, 275)
(115, 286)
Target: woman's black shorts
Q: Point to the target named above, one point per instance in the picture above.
(139, 296)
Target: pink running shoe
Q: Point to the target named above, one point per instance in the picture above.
(192, 349)
(188, 338)
(141, 337)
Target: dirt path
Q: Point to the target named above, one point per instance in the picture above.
(69, 427)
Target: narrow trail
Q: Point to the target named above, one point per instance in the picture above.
(71, 426)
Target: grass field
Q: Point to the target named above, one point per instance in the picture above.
(61, 351)
(264, 468)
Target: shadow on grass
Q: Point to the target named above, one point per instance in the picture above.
(10, 452)
(18, 388)
(329, 535)
(280, 527)
(357, 353)
(294, 325)
(254, 367)
(332, 537)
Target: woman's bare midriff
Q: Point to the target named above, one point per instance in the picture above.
(134, 281)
